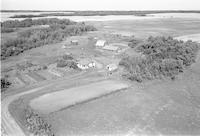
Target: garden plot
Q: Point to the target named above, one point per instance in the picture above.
(55, 101)
(16, 82)
(26, 79)
(32, 80)
(22, 79)
(46, 74)
(36, 76)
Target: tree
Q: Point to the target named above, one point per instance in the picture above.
(4, 84)
(164, 57)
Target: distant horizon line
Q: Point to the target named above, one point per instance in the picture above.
(18, 10)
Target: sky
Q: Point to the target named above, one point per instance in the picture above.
(100, 4)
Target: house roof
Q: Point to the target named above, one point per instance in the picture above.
(84, 61)
(110, 47)
(100, 43)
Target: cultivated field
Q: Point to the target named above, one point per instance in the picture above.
(52, 102)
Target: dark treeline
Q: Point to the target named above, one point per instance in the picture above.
(7, 30)
(149, 11)
(30, 22)
(103, 13)
(32, 38)
(162, 57)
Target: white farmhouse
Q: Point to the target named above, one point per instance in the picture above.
(100, 43)
(85, 64)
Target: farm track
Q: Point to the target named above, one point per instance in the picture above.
(10, 125)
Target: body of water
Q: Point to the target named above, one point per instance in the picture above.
(6, 16)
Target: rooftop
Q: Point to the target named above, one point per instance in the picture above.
(100, 43)
(84, 61)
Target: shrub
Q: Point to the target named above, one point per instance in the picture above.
(4, 84)
(67, 63)
(72, 64)
(44, 67)
(61, 63)
(68, 57)
(37, 125)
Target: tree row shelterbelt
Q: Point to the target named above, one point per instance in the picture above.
(159, 57)
(57, 30)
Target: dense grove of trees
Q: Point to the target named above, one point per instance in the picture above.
(31, 22)
(162, 57)
(4, 84)
(56, 32)
(36, 125)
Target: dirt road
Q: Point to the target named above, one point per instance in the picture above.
(10, 125)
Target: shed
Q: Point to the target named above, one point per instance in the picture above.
(111, 67)
(100, 43)
(74, 42)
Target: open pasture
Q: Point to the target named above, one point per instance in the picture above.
(152, 27)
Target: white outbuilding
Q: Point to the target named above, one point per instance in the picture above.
(111, 67)
(74, 42)
(100, 43)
